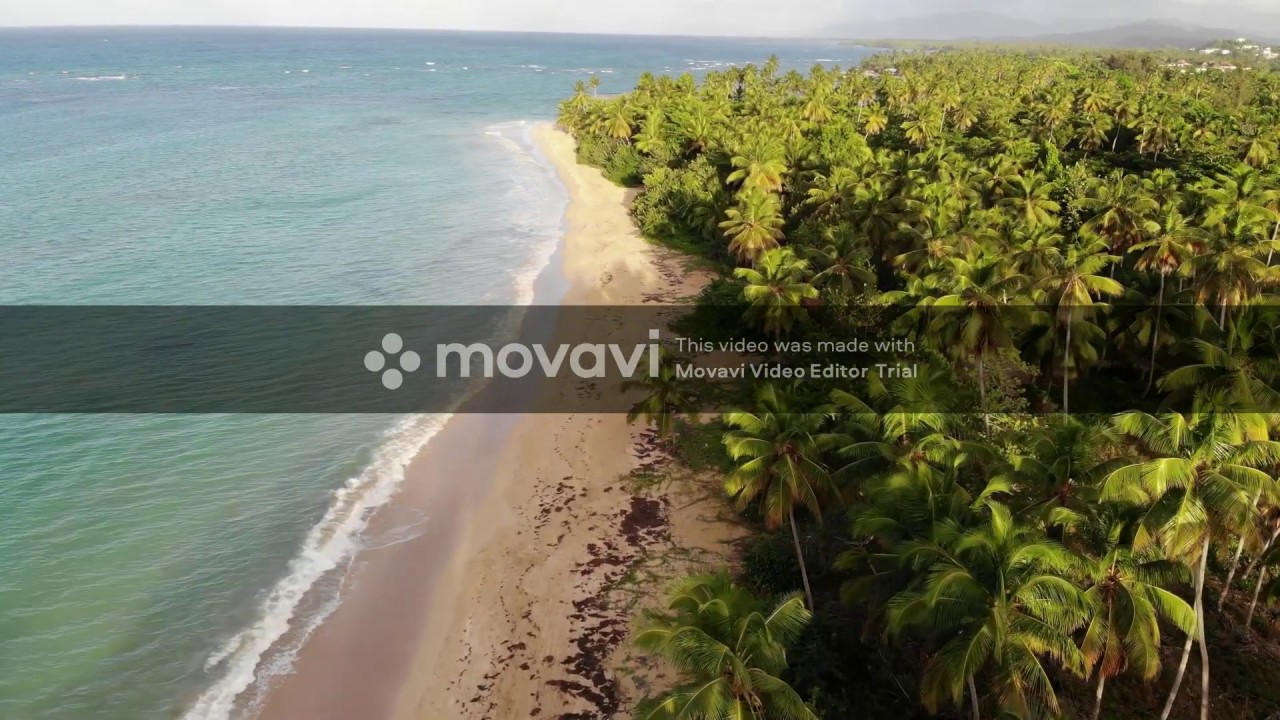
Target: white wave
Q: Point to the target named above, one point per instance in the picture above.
(305, 70)
(549, 227)
(431, 63)
(334, 541)
(98, 78)
(331, 542)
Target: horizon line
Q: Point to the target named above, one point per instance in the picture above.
(208, 26)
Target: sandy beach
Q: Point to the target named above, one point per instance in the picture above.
(544, 539)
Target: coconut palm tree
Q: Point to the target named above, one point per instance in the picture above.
(1172, 242)
(776, 289)
(841, 263)
(1071, 291)
(1127, 597)
(998, 598)
(666, 396)
(1028, 197)
(1121, 210)
(778, 451)
(1199, 474)
(758, 165)
(730, 649)
(754, 227)
(976, 319)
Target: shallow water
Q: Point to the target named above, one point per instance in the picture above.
(146, 562)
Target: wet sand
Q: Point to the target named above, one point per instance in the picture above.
(507, 606)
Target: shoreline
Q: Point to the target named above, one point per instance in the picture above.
(497, 606)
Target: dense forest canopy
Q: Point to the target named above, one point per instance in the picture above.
(1049, 227)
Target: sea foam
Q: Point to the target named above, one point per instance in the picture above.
(253, 655)
(329, 545)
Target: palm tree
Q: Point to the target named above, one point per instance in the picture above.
(1126, 597)
(998, 597)
(758, 166)
(730, 646)
(666, 396)
(1199, 475)
(776, 290)
(618, 124)
(1071, 291)
(975, 320)
(1122, 208)
(1028, 197)
(1058, 470)
(841, 264)
(754, 227)
(1173, 241)
(779, 454)
(876, 121)
(1231, 277)
(1095, 131)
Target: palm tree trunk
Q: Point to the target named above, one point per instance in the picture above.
(1235, 564)
(1200, 633)
(1155, 335)
(973, 699)
(804, 572)
(1191, 637)
(1204, 649)
(982, 394)
(1066, 371)
(1254, 563)
(1177, 678)
(1097, 703)
(1257, 589)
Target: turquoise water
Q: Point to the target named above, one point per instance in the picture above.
(147, 563)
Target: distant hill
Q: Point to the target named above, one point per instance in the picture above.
(970, 27)
(953, 26)
(1143, 35)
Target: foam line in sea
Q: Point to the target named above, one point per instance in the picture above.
(330, 544)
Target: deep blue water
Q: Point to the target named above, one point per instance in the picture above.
(147, 562)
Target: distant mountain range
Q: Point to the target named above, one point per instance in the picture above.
(1145, 35)
(992, 27)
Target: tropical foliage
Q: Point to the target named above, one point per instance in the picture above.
(1074, 486)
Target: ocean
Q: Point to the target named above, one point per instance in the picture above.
(149, 562)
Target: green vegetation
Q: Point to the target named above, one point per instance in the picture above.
(1051, 232)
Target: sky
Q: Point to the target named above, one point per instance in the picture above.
(688, 17)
